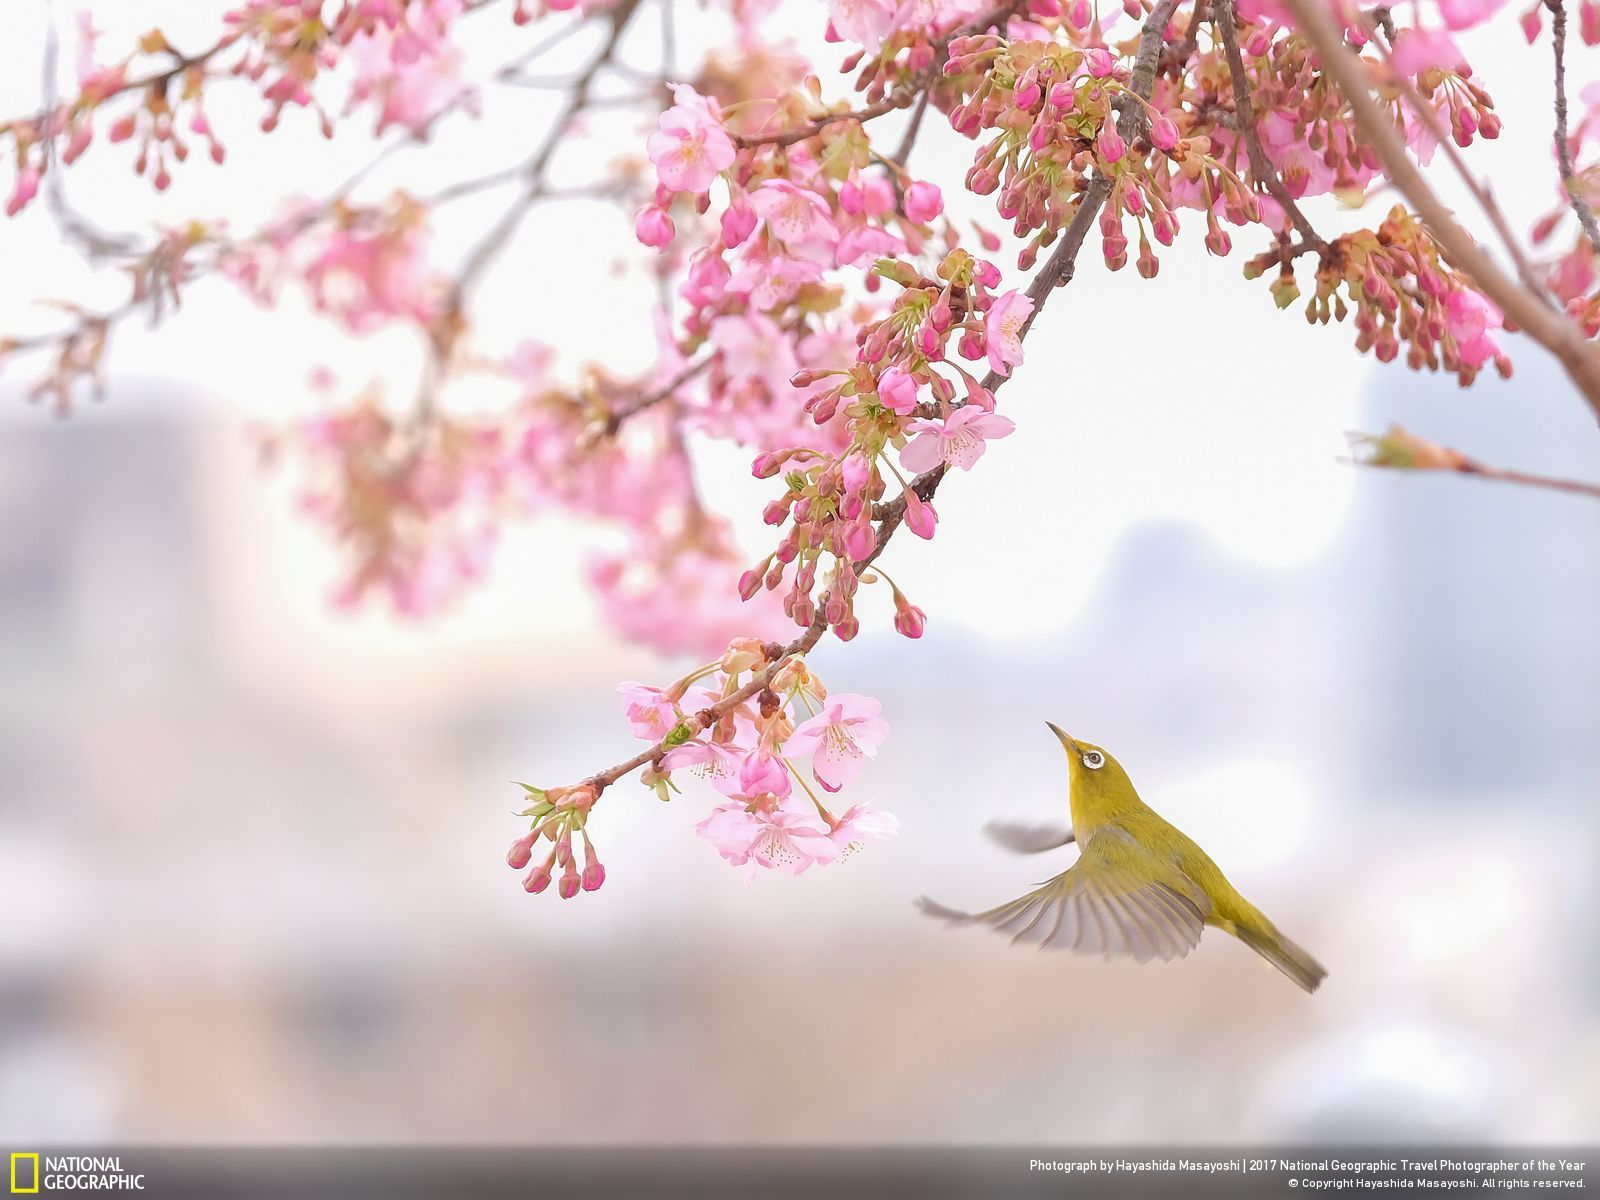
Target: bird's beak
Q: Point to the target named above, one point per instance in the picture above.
(1065, 740)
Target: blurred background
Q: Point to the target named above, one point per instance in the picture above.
(251, 876)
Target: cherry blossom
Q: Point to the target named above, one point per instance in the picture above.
(959, 440)
(848, 730)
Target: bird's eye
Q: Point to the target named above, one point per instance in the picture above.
(1094, 760)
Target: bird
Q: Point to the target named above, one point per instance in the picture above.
(1139, 889)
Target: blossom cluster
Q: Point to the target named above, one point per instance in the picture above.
(745, 737)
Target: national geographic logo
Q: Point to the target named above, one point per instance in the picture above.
(31, 1174)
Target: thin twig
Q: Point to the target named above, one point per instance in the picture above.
(902, 152)
(1401, 450)
(1480, 190)
(619, 416)
(1569, 179)
(1260, 166)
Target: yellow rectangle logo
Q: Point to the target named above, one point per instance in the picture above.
(16, 1186)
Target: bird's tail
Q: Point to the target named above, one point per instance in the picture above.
(1283, 954)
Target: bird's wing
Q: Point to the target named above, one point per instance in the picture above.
(1029, 839)
(1117, 900)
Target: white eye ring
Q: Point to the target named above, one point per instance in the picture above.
(1094, 760)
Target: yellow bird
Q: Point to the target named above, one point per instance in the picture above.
(1139, 889)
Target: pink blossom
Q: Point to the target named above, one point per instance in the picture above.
(755, 349)
(1464, 14)
(847, 730)
(924, 202)
(650, 714)
(1002, 330)
(798, 216)
(771, 838)
(718, 764)
(863, 245)
(691, 147)
(1418, 50)
(775, 281)
(1471, 318)
(960, 440)
(865, 22)
(860, 824)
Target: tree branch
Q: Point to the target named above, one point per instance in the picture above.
(1399, 449)
(1550, 328)
(1569, 180)
(1244, 107)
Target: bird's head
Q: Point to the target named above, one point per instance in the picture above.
(1093, 771)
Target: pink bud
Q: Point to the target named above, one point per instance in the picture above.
(1100, 62)
(653, 227)
(27, 189)
(854, 472)
(537, 879)
(750, 582)
(920, 517)
(910, 620)
(738, 222)
(1163, 133)
(1110, 142)
(594, 874)
(81, 137)
(859, 541)
(897, 391)
(521, 852)
(924, 202)
(570, 881)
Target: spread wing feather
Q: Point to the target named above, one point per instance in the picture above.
(1116, 900)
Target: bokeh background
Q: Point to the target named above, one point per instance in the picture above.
(251, 879)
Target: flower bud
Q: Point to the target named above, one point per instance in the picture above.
(653, 227)
(1110, 143)
(570, 881)
(920, 517)
(924, 202)
(537, 879)
(909, 620)
(521, 852)
(897, 391)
